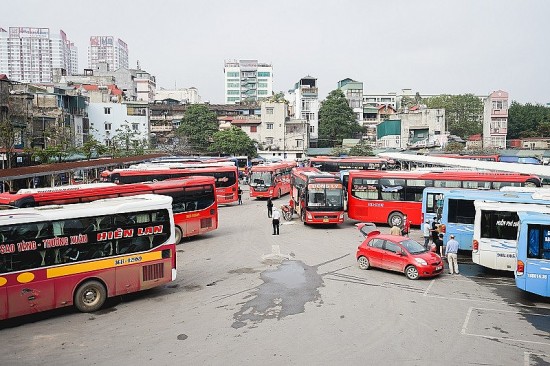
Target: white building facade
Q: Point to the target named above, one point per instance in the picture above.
(495, 120)
(110, 121)
(184, 96)
(107, 49)
(304, 105)
(247, 80)
(34, 55)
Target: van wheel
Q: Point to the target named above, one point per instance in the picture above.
(90, 296)
(179, 235)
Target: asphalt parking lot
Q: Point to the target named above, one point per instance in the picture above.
(244, 296)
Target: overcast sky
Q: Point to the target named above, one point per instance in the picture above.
(430, 46)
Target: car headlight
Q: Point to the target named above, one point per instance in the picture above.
(421, 261)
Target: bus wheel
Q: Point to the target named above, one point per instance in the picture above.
(179, 235)
(395, 219)
(90, 296)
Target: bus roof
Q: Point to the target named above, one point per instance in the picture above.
(160, 170)
(531, 217)
(446, 174)
(142, 202)
(495, 196)
(73, 187)
(266, 167)
(511, 206)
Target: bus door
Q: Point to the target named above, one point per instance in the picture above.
(537, 272)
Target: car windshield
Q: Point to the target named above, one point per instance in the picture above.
(413, 247)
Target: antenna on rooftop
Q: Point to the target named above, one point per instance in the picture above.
(138, 65)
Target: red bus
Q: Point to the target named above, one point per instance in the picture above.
(194, 199)
(80, 254)
(331, 164)
(385, 196)
(471, 157)
(227, 181)
(317, 197)
(270, 180)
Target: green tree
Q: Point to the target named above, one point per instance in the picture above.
(361, 149)
(528, 120)
(92, 147)
(232, 142)
(198, 127)
(7, 138)
(463, 113)
(338, 151)
(336, 120)
(126, 142)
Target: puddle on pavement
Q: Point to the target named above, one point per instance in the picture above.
(285, 292)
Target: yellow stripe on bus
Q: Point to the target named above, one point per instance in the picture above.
(102, 264)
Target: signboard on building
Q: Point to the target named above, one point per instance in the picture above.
(101, 41)
(28, 32)
(248, 65)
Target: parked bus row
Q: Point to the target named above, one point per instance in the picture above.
(495, 157)
(194, 199)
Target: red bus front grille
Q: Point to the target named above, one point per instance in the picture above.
(325, 216)
(205, 223)
(153, 272)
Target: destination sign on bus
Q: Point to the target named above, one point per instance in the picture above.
(325, 185)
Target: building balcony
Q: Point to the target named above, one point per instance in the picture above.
(161, 128)
(499, 112)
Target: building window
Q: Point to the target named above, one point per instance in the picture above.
(232, 74)
(269, 140)
(311, 129)
(233, 92)
(262, 92)
(107, 127)
(135, 126)
(269, 110)
(263, 74)
(269, 126)
(253, 128)
(107, 110)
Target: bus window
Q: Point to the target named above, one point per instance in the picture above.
(461, 211)
(499, 225)
(393, 189)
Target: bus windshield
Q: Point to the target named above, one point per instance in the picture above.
(321, 196)
(260, 179)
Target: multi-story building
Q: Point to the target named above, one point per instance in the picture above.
(107, 49)
(35, 55)
(495, 120)
(353, 90)
(123, 124)
(304, 105)
(281, 136)
(247, 80)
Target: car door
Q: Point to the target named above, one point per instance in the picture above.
(375, 252)
(393, 259)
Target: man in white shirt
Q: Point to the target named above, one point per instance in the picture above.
(427, 228)
(276, 216)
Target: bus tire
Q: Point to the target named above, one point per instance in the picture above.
(90, 296)
(396, 219)
(179, 234)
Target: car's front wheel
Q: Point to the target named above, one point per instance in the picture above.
(363, 262)
(411, 272)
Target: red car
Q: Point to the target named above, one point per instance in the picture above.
(398, 253)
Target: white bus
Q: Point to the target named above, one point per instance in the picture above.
(495, 237)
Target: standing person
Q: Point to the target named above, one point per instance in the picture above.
(406, 226)
(426, 232)
(240, 194)
(395, 230)
(275, 221)
(439, 245)
(269, 207)
(451, 251)
(434, 230)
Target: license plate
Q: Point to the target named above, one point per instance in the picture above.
(438, 268)
(325, 220)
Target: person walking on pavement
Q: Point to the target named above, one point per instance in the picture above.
(426, 232)
(269, 207)
(240, 194)
(275, 221)
(451, 251)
